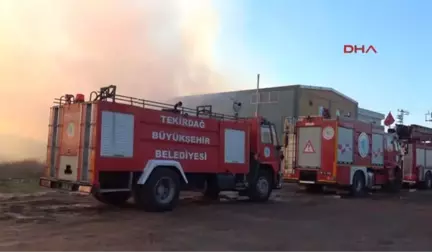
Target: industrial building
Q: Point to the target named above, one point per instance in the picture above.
(370, 116)
(279, 103)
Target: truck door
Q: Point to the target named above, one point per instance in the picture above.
(269, 146)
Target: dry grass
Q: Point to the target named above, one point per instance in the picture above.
(20, 176)
(23, 169)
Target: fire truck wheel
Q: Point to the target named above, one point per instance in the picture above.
(260, 190)
(112, 198)
(395, 185)
(160, 192)
(211, 190)
(358, 185)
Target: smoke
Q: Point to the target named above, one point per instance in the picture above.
(150, 49)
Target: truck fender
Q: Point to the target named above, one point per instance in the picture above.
(154, 164)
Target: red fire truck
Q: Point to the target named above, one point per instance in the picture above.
(417, 159)
(115, 147)
(344, 153)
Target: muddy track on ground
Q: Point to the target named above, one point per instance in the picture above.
(292, 220)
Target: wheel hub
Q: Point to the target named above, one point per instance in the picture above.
(262, 185)
(359, 186)
(164, 190)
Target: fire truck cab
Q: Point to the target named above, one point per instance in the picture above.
(116, 147)
(417, 150)
(344, 153)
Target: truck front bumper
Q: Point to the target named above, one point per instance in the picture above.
(72, 186)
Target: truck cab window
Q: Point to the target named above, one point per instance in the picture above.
(266, 136)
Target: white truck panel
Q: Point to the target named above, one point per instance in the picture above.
(117, 134)
(420, 157)
(377, 149)
(345, 145)
(235, 146)
(428, 159)
(309, 147)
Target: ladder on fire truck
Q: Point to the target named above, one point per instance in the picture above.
(410, 134)
(289, 143)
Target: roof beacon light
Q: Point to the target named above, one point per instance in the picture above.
(79, 98)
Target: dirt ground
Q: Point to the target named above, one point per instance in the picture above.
(292, 220)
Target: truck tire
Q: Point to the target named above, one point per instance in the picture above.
(160, 192)
(261, 189)
(427, 183)
(112, 198)
(358, 187)
(211, 190)
(395, 185)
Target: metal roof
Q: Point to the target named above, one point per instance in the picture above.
(370, 113)
(318, 88)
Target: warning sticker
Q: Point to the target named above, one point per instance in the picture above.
(308, 148)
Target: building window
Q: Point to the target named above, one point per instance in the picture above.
(254, 99)
(265, 97)
(273, 96)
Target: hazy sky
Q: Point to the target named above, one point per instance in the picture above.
(158, 49)
(152, 49)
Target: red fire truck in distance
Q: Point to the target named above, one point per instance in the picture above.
(115, 147)
(417, 159)
(345, 153)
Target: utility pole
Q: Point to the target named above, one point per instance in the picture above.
(401, 114)
(257, 96)
(428, 117)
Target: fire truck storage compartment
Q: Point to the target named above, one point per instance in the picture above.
(428, 164)
(70, 142)
(308, 176)
(423, 161)
(117, 135)
(235, 142)
(309, 151)
(345, 146)
(420, 162)
(377, 149)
